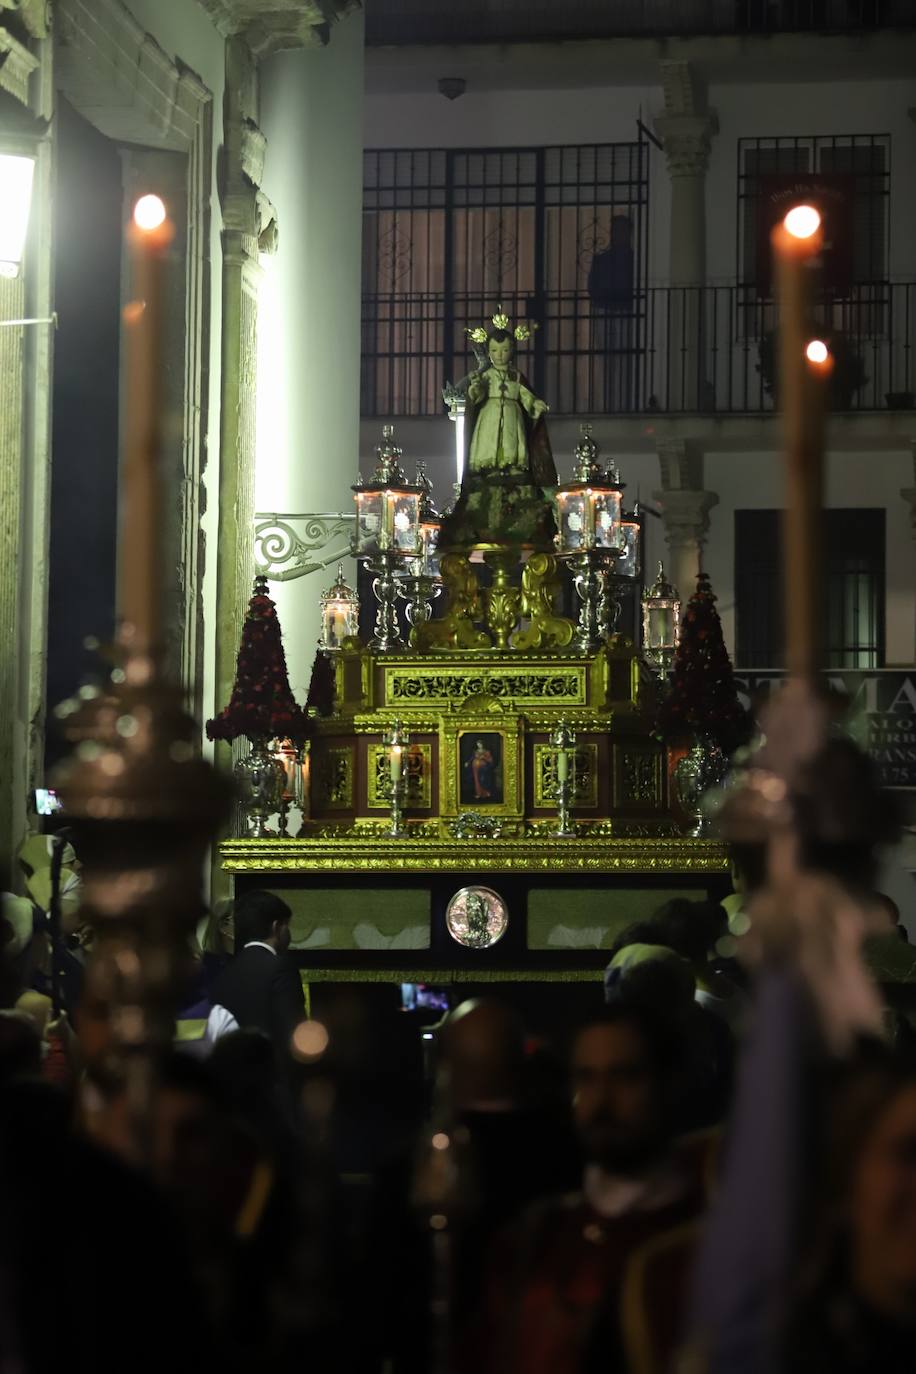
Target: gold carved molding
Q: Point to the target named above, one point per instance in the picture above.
(357, 851)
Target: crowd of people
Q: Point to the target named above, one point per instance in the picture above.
(701, 1177)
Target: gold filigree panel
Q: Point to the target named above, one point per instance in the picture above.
(408, 686)
(584, 775)
(335, 779)
(639, 778)
(418, 770)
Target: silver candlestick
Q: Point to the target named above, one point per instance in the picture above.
(387, 630)
(588, 583)
(395, 741)
(563, 741)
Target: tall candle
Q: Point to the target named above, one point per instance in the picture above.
(802, 385)
(394, 763)
(139, 591)
(562, 765)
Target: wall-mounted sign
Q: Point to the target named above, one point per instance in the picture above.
(834, 196)
(882, 713)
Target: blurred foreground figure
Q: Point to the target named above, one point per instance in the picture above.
(812, 807)
(595, 1280)
(93, 1269)
(856, 1309)
(517, 1150)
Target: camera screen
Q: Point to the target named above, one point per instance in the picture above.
(422, 997)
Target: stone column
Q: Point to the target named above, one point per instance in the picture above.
(308, 449)
(244, 148)
(685, 511)
(26, 92)
(686, 129)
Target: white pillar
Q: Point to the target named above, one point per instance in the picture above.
(687, 139)
(686, 129)
(310, 302)
(685, 508)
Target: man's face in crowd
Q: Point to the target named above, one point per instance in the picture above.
(883, 1206)
(282, 936)
(617, 1105)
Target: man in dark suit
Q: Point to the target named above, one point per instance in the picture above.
(261, 987)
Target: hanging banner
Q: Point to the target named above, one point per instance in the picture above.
(834, 196)
(882, 713)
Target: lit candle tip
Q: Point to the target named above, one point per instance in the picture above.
(149, 213)
(817, 351)
(802, 221)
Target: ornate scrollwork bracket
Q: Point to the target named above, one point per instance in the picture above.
(470, 825)
(291, 546)
(545, 628)
(457, 629)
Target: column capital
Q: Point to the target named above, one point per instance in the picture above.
(687, 140)
(680, 462)
(269, 26)
(685, 515)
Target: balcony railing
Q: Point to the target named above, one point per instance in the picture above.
(419, 21)
(694, 350)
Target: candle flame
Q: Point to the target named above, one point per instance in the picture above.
(802, 221)
(149, 213)
(817, 351)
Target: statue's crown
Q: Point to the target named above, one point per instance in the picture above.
(499, 321)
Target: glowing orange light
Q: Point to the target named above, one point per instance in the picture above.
(802, 221)
(149, 213)
(440, 1141)
(310, 1040)
(817, 351)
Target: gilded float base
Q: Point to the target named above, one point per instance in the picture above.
(367, 849)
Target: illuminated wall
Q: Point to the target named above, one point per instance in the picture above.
(309, 311)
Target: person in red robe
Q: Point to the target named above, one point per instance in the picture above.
(596, 1280)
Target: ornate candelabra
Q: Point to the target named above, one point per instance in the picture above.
(563, 741)
(395, 740)
(387, 531)
(421, 584)
(590, 538)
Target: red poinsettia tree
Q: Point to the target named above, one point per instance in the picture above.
(702, 698)
(262, 705)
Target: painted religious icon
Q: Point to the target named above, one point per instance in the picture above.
(481, 765)
(476, 917)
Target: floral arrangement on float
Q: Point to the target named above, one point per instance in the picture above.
(263, 710)
(700, 714)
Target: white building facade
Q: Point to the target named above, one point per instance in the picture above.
(513, 192)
